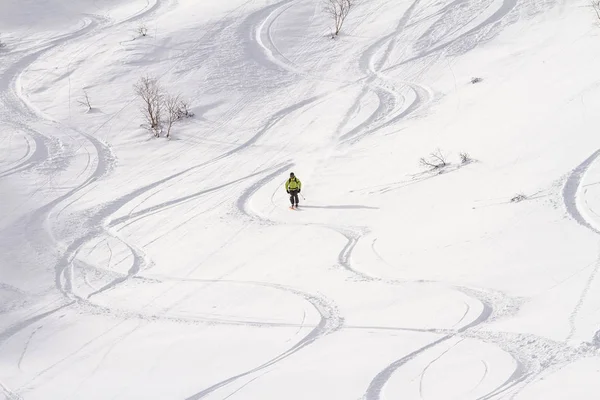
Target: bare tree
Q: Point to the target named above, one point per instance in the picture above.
(172, 106)
(151, 95)
(338, 10)
(85, 101)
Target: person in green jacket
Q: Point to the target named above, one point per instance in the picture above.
(293, 187)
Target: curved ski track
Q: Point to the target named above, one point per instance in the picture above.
(17, 113)
(471, 329)
(526, 357)
(97, 221)
(21, 113)
(534, 355)
(571, 191)
(330, 322)
(393, 106)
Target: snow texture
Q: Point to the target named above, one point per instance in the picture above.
(134, 267)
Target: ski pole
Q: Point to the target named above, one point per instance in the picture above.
(303, 198)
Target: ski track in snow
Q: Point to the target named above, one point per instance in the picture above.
(534, 355)
(354, 234)
(395, 104)
(10, 395)
(6, 334)
(37, 152)
(571, 192)
(27, 346)
(505, 8)
(49, 154)
(18, 114)
(65, 266)
(330, 322)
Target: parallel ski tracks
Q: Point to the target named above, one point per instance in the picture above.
(395, 105)
(384, 115)
(534, 355)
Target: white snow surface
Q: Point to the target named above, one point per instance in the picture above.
(134, 267)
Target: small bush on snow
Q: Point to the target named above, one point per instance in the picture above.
(183, 110)
(142, 30)
(436, 160)
(159, 107)
(476, 80)
(518, 198)
(465, 158)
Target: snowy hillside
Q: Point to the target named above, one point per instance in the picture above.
(134, 267)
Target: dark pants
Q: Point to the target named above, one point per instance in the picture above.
(294, 196)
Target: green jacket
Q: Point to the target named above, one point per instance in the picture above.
(293, 184)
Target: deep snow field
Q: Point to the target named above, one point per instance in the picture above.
(134, 267)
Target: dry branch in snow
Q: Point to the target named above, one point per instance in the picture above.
(434, 161)
(85, 101)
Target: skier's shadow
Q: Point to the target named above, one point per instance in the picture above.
(343, 207)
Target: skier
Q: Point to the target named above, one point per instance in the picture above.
(293, 187)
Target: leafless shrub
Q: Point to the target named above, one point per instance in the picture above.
(85, 101)
(439, 158)
(2, 44)
(183, 110)
(475, 80)
(142, 29)
(338, 10)
(159, 107)
(518, 198)
(177, 109)
(151, 95)
(465, 158)
(172, 104)
(436, 160)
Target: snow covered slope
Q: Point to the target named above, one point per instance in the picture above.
(140, 268)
